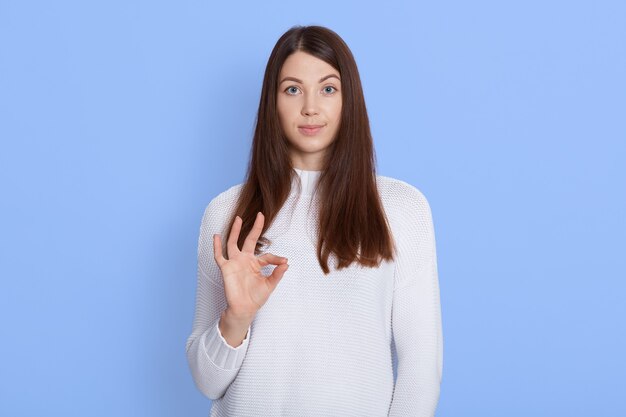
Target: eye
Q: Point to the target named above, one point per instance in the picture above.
(288, 89)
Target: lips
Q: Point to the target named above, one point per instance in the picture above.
(310, 130)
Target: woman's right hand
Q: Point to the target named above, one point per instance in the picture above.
(245, 287)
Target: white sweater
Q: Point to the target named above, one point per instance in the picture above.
(325, 346)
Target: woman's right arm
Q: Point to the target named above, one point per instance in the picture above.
(214, 363)
(228, 295)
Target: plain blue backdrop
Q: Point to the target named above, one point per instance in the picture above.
(121, 120)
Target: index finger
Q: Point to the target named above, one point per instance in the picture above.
(233, 237)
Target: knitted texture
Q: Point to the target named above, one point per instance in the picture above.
(358, 342)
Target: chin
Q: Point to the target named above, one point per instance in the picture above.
(313, 144)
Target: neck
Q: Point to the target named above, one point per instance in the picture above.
(308, 181)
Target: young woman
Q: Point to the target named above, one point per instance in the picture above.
(323, 300)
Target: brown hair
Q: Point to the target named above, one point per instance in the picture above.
(352, 222)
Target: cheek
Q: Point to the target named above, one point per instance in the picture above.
(337, 112)
(282, 115)
(285, 110)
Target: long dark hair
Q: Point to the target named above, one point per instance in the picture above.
(352, 221)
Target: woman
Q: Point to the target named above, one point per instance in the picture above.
(328, 272)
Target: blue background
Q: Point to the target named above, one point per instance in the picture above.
(121, 120)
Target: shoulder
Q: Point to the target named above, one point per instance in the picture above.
(227, 196)
(411, 223)
(218, 211)
(400, 198)
(408, 213)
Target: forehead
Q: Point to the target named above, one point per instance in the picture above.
(303, 65)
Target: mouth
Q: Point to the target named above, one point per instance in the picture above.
(310, 130)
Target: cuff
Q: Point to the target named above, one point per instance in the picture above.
(221, 353)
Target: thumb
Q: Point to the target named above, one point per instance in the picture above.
(276, 276)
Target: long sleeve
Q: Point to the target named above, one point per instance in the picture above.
(214, 364)
(416, 311)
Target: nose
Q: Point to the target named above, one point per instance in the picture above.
(309, 107)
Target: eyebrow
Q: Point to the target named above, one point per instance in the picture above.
(300, 81)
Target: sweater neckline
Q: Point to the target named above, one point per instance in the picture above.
(308, 180)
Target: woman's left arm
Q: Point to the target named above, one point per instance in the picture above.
(416, 312)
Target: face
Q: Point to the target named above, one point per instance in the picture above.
(309, 94)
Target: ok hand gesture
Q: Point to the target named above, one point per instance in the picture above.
(245, 287)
